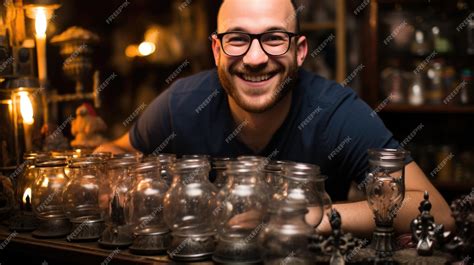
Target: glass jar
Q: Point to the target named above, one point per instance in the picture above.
(325, 198)
(219, 167)
(273, 175)
(115, 196)
(47, 199)
(188, 207)
(303, 182)
(24, 219)
(165, 161)
(285, 239)
(137, 156)
(152, 236)
(81, 198)
(118, 173)
(241, 212)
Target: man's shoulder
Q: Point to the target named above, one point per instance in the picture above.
(204, 81)
(323, 91)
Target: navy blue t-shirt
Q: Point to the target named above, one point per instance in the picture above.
(328, 125)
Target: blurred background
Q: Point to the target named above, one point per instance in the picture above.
(411, 61)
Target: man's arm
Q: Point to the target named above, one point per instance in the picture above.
(121, 145)
(358, 218)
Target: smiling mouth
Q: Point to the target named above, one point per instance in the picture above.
(257, 78)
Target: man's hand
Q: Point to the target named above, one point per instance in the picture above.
(121, 145)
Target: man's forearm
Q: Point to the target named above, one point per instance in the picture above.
(110, 147)
(358, 218)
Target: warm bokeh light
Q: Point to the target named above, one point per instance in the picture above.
(41, 22)
(146, 48)
(131, 51)
(26, 108)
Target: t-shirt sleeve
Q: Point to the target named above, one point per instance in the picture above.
(353, 129)
(152, 130)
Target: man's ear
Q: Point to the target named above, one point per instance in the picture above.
(301, 50)
(216, 49)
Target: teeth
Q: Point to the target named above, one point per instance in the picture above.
(259, 78)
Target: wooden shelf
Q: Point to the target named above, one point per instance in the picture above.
(317, 26)
(441, 108)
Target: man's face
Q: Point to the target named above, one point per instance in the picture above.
(257, 81)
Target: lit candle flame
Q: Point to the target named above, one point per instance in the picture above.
(26, 108)
(27, 193)
(41, 23)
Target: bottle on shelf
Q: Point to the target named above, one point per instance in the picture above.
(467, 91)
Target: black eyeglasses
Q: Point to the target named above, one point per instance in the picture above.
(237, 43)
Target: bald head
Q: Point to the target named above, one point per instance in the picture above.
(232, 10)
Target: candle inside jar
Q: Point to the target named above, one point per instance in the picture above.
(26, 202)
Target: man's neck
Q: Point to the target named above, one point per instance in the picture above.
(257, 129)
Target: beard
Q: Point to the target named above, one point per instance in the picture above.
(284, 86)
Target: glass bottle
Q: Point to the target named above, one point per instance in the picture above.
(435, 91)
(241, 213)
(416, 90)
(303, 183)
(47, 199)
(152, 236)
(385, 193)
(285, 239)
(81, 199)
(393, 82)
(467, 90)
(470, 37)
(188, 207)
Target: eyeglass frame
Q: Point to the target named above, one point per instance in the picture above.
(220, 36)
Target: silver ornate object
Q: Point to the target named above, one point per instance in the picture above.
(385, 193)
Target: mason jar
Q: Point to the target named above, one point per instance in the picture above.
(188, 207)
(47, 198)
(241, 212)
(151, 234)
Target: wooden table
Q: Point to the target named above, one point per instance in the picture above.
(22, 248)
(25, 249)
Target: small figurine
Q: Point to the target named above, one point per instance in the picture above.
(87, 127)
(462, 243)
(424, 229)
(338, 244)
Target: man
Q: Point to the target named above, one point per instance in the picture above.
(260, 102)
